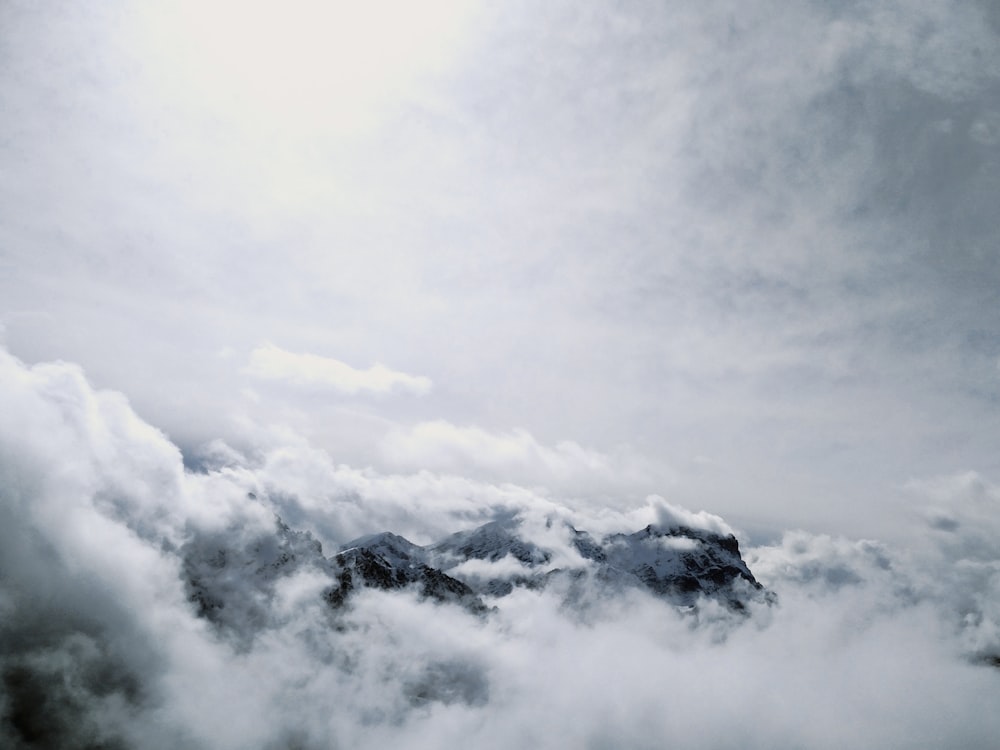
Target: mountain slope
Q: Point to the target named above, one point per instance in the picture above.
(682, 563)
(387, 561)
(231, 578)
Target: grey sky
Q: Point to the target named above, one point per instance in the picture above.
(410, 266)
(741, 256)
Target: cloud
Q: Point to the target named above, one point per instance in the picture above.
(270, 362)
(669, 515)
(441, 444)
(680, 246)
(516, 455)
(949, 558)
(958, 553)
(100, 644)
(763, 233)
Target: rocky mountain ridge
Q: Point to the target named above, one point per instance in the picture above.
(232, 584)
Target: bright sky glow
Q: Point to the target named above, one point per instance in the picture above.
(302, 67)
(418, 266)
(741, 259)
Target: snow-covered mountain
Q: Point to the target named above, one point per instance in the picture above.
(232, 583)
(682, 563)
(388, 561)
(493, 542)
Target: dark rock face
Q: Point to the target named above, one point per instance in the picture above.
(588, 548)
(46, 705)
(682, 563)
(492, 541)
(230, 578)
(365, 567)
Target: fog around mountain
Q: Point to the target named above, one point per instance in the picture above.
(867, 644)
(591, 285)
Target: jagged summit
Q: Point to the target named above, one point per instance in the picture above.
(492, 541)
(397, 550)
(388, 561)
(681, 563)
(232, 582)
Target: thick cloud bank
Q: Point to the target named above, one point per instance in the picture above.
(101, 644)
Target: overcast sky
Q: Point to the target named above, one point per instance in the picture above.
(408, 266)
(740, 255)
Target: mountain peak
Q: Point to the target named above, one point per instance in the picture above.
(230, 581)
(388, 561)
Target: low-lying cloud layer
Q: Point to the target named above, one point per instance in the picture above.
(100, 646)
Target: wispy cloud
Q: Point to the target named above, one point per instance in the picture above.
(517, 456)
(270, 362)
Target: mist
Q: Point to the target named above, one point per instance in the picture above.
(276, 278)
(868, 644)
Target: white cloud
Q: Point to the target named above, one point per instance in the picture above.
(958, 555)
(270, 362)
(516, 456)
(866, 646)
(441, 444)
(758, 232)
(485, 569)
(669, 515)
(680, 248)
